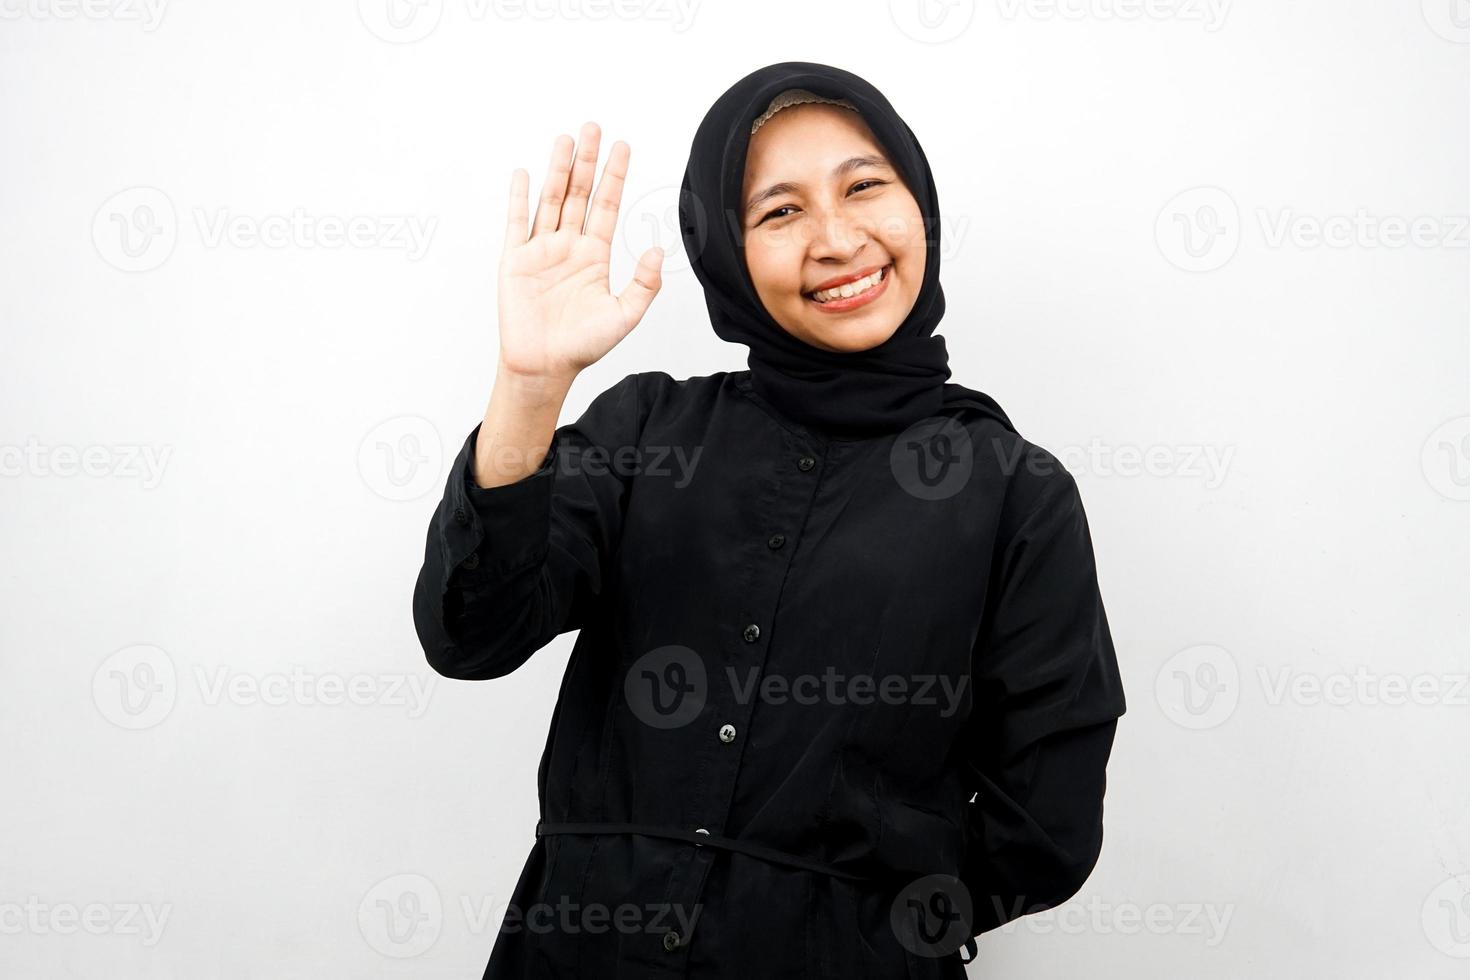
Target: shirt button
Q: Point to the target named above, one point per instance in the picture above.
(701, 830)
(727, 733)
(671, 940)
(472, 562)
(460, 517)
(752, 633)
(776, 540)
(805, 463)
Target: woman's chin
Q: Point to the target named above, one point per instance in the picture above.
(856, 330)
(857, 337)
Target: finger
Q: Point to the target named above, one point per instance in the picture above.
(579, 188)
(548, 207)
(515, 216)
(639, 293)
(604, 217)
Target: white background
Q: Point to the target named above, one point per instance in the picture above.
(1129, 194)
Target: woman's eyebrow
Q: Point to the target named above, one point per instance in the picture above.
(841, 170)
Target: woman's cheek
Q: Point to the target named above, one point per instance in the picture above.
(903, 233)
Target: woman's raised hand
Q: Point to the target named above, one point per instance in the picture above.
(557, 313)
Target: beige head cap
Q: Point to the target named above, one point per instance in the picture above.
(795, 96)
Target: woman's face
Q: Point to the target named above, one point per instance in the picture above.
(821, 203)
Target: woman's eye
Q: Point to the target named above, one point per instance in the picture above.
(860, 185)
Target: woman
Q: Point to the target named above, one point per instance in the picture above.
(844, 690)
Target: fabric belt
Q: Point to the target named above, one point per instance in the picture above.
(770, 854)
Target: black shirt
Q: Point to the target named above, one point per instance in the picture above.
(835, 705)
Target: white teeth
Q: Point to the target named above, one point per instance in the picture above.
(850, 288)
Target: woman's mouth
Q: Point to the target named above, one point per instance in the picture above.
(858, 293)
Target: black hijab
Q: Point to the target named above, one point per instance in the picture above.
(844, 394)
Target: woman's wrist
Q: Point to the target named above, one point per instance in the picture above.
(532, 387)
(520, 421)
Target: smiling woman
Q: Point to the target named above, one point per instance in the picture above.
(843, 690)
(827, 187)
(834, 239)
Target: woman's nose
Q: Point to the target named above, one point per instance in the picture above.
(835, 233)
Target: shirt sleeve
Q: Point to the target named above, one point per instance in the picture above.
(508, 568)
(1047, 698)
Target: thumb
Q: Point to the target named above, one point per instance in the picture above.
(639, 293)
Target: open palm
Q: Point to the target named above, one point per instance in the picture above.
(557, 312)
